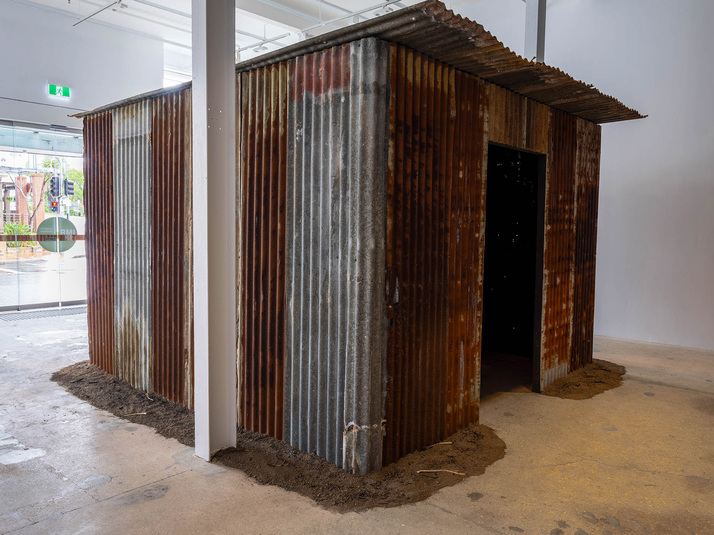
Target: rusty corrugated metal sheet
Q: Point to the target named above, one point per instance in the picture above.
(99, 203)
(324, 210)
(170, 254)
(263, 169)
(132, 243)
(435, 232)
(335, 318)
(432, 29)
(559, 249)
(517, 121)
(587, 168)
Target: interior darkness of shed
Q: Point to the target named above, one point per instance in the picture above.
(511, 270)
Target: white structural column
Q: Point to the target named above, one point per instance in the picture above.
(535, 29)
(214, 217)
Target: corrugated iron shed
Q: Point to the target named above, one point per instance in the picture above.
(362, 170)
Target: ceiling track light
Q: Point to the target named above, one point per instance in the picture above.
(261, 46)
(384, 11)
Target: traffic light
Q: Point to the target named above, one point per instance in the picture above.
(53, 205)
(68, 187)
(55, 186)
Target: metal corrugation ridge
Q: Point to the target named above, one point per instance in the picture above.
(132, 243)
(430, 28)
(263, 96)
(99, 204)
(188, 251)
(434, 261)
(170, 180)
(587, 167)
(156, 93)
(336, 212)
(559, 250)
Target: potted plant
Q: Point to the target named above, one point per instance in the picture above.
(16, 228)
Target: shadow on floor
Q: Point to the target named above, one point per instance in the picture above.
(503, 372)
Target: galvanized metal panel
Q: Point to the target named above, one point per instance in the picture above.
(335, 317)
(170, 256)
(588, 179)
(559, 250)
(262, 164)
(132, 243)
(435, 233)
(434, 30)
(99, 206)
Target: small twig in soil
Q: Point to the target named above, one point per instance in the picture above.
(135, 414)
(147, 396)
(449, 471)
(442, 444)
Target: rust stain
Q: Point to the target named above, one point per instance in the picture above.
(170, 202)
(588, 179)
(99, 203)
(435, 209)
(559, 249)
(263, 172)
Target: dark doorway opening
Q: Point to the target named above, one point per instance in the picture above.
(513, 271)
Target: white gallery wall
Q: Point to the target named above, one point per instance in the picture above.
(99, 64)
(655, 263)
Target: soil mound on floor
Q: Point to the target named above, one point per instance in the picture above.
(468, 452)
(587, 382)
(108, 393)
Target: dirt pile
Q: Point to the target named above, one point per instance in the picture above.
(108, 393)
(467, 453)
(587, 382)
(271, 462)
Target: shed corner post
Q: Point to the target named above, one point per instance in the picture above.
(365, 385)
(214, 180)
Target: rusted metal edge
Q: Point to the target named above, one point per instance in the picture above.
(137, 98)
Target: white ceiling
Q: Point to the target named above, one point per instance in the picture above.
(256, 20)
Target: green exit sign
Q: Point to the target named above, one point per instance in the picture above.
(59, 91)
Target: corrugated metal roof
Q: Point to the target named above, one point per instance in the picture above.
(434, 30)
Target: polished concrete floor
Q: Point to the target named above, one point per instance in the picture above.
(637, 459)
